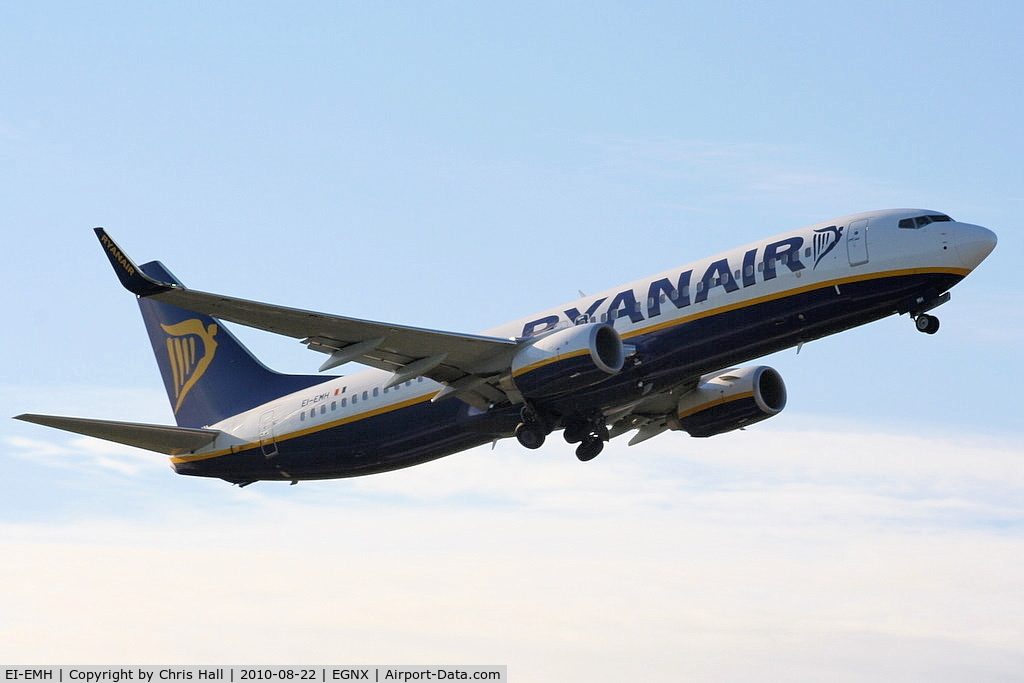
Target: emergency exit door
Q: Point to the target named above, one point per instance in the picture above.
(268, 443)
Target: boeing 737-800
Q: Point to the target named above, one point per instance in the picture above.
(654, 355)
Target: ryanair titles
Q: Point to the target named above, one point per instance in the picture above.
(116, 255)
(720, 273)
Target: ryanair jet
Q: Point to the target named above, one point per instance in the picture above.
(654, 355)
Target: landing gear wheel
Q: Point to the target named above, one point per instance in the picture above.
(928, 324)
(576, 432)
(530, 435)
(590, 448)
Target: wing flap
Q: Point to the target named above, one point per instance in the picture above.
(157, 438)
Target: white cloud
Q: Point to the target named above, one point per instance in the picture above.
(807, 554)
(81, 453)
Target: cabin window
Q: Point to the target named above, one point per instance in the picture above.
(302, 416)
(366, 395)
(376, 392)
(334, 406)
(344, 402)
(749, 269)
(323, 410)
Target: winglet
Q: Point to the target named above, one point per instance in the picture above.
(133, 279)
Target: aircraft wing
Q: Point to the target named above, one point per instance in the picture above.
(466, 363)
(648, 415)
(158, 438)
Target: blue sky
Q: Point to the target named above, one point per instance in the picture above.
(458, 165)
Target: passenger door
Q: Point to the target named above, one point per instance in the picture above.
(857, 242)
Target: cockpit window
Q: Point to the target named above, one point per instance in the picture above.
(921, 221)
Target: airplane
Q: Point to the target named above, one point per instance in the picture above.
(655, 355)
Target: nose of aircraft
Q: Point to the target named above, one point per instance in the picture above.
(973, 243)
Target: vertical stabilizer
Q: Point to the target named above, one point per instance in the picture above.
(209, 375)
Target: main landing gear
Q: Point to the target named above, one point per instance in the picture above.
(533, 429)
(590, 448)
(928, 324)
(590, 434)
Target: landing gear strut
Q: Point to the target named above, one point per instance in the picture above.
(928, 324)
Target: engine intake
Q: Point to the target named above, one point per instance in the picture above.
(568, 359)
(731, 399)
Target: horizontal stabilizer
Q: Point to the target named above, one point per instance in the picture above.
(158, 438)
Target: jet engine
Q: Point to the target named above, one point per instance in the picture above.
(568, 359)
(729, 400)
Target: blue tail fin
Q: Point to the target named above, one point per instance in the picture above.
(208, 374)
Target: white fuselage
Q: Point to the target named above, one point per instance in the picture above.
(834, 255)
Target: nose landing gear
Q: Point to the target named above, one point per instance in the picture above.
(918, 308)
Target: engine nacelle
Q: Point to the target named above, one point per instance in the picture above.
(731, 399)
(568, 359)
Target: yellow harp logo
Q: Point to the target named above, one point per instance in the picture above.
(190, 347)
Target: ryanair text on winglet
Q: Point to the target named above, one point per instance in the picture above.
(116, 255)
